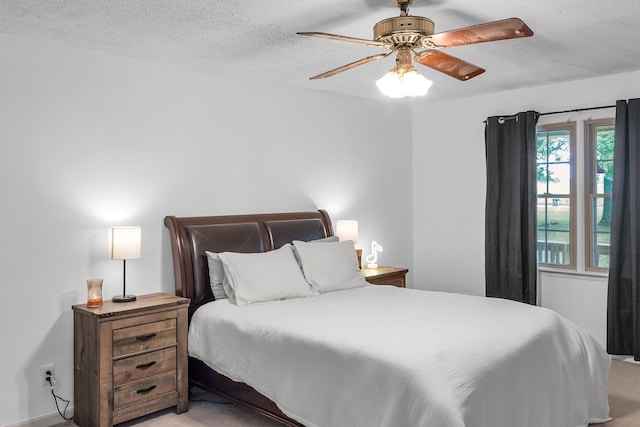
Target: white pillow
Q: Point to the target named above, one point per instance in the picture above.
(328, 239)
(330, 266)
(219, 285)
(264, 276)
(322, 240)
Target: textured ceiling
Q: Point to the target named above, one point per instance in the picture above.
(573, 39)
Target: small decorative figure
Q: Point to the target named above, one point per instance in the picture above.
(373, 258)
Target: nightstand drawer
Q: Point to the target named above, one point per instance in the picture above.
(390, 281)
(144, 365)
(144, 337)
(143, 390)
(392, 276)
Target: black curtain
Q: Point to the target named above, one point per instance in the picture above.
(510, 212)
(623, 305)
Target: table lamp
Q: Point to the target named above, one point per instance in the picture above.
(124, 244)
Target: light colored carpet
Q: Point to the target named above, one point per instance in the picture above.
(208, 410)
(624, 395)
(205, 409)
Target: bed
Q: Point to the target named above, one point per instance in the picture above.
(376, 355)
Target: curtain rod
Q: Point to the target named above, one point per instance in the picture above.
(575, 110)
(502, 119)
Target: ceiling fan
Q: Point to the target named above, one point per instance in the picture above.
(407, 34)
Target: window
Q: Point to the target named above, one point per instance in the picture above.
(556, 194)
(574, 162)
(600, 137)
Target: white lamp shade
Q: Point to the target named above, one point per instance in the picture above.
(396, 85)
(124, 242)
(347, 230)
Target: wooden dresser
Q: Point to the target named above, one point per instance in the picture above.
(393, 276)
(130, 359)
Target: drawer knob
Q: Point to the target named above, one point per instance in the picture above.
(145, 337)
(145, 390)
(146, 365)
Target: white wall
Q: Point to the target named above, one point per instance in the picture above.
(449, 192)
(91, 140)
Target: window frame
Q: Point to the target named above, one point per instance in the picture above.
(580, 117)
(590, 161)
(571, 126)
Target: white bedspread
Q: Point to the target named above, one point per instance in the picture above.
(383, 356)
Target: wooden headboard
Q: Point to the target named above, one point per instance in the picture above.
(192, 236)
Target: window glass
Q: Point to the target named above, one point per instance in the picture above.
(554, 230)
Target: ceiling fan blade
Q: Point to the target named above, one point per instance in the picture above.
(450, 65)
(350, 66)
(510, 28)
(343, 38)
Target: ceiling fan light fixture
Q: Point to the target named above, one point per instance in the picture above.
(395, 84)
(405, 34)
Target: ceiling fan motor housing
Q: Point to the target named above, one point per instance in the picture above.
(404, 30)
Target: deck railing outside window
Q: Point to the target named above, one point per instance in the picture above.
(558, 252)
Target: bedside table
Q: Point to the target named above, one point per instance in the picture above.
(392, 276)
(130, 359)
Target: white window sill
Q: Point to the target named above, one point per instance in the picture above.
(574, 273)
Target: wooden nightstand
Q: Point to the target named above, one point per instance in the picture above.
(386, 276)
(130, 359)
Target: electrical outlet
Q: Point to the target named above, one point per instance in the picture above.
(50, 367)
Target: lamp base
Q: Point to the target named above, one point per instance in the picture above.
(123, 298)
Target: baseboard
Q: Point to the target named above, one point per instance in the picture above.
(48, 420)
(625, 359)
